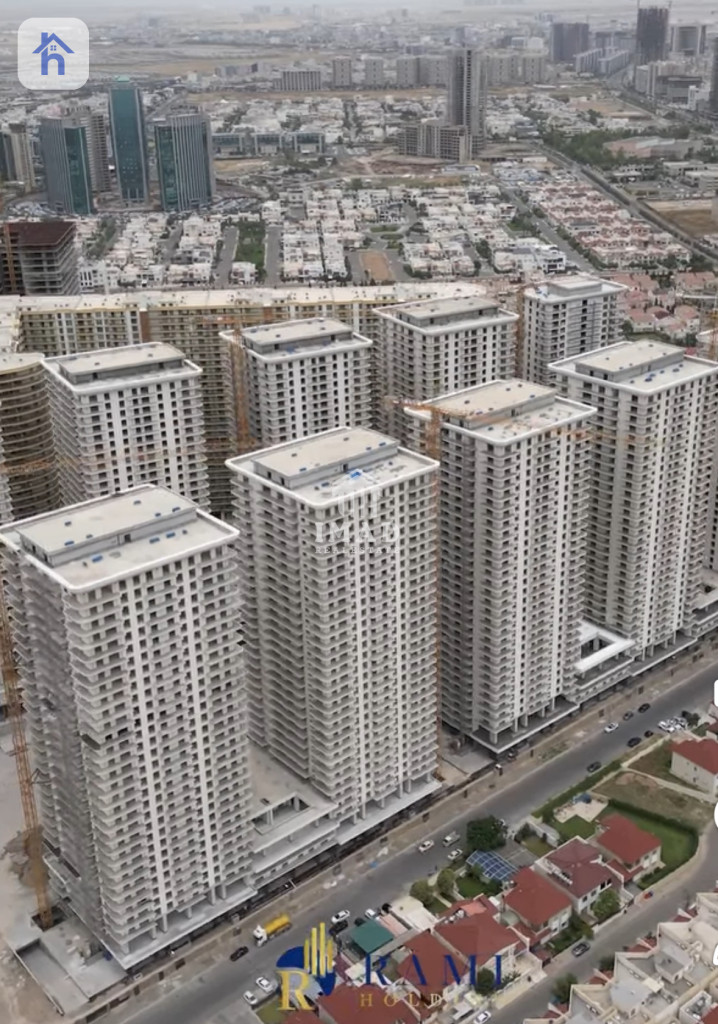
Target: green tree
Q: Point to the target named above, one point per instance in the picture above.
(562, 987)
(606, 905)
(485, 981)
(485, 834)
(605, 963)
(421, 891)
(446, 883)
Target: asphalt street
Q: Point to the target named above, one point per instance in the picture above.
(273, 256)
(226, 257)
(216, 994)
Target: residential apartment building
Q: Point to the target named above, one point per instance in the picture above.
(197, 322)
(342, 73)
(513, 67)
(129, 141)
(648, 513)
(514, 486)
(17, 162)
(185, 168)
(567, 39)
(468, 93)
(430, 348)
(564, 317)
(652, 34)
(433, 71)
(39, 258)
(300, 80)
(65, 148)
(374, 73)
(407, 72)
(127, 619)
(128, 416)
(338, 537)
(304, 377)
(28, 470)
(434, 139)
(98, 151)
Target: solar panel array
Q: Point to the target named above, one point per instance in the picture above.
(492, 866)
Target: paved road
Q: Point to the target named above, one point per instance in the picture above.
(218, 990)
(272, 256)
(226, 257)
(548, 233)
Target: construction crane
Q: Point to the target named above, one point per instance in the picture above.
(32, 838)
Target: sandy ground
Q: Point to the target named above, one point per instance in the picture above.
(693, 216)
(378, 266)
(21, 1001)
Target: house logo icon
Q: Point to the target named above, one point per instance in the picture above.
(53, 54)
(50, 49)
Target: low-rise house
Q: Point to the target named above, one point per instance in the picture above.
(361, 1004)
(630, 849)
(540, 906)
(430, 968)
(580, 870)
(696, 762)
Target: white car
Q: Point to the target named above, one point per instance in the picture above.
(611, 727)
(250, 998)
(454, 855)
(425, 846)
(370, 914)
(266, 985)
(482, 1017)
(340, 916)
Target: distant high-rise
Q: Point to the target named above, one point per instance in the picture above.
(183, 150)
(65, 148)
(514, 486)
(129, 142)
(567, 39)
(651, 34)
(97, 150)
(467, 93)
(16, 156)
(688, 40)
(713, 97)
(39, 258)
(337, 546)
(342, 73)
(127, 621)
(128, 416)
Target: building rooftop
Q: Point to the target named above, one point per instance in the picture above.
(11, 361)
(625, 840)
(582, 869)
(703, 753)
(534, 898)
(431, 954)
(297, 331)
(42, 232)
(478, 935)
(643, 365)
(88, 545)
(572, 286)
(501, 411)
(325, 468)
(119, 365)
(358, 1004)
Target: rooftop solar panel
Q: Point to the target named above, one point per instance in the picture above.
(492, 865)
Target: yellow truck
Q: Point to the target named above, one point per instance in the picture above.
(270, 930)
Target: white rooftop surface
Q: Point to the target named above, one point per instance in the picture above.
(296, 330)
(92, 530)
(514, 409)
(644, 365)
(613, 645)
(121, 359)
(456, 309)
(11, 361)
(374, 460)
(561, 288)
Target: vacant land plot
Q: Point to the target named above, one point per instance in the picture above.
(376, 265)
(694, 216)
(658, 762)
(643, 792)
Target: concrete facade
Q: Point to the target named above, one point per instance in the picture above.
(648, 518)
(304, 377)
(425, 349)
(514, 487)
(126, 620)
(128, 416)
(338, 538)
(565, 317)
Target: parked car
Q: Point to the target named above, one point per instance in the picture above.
(425, 846)
(341, 915)
(450, 839)
(580, 949)
(370, 914)
(611, 727)
(339, 927)
(593, 767)
(250, 998)
(628, 715)
(648, 733)
(643, 707)
(634, 741)
(239, 953)
(454, 855)
(482, 1017)
(266, 984)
